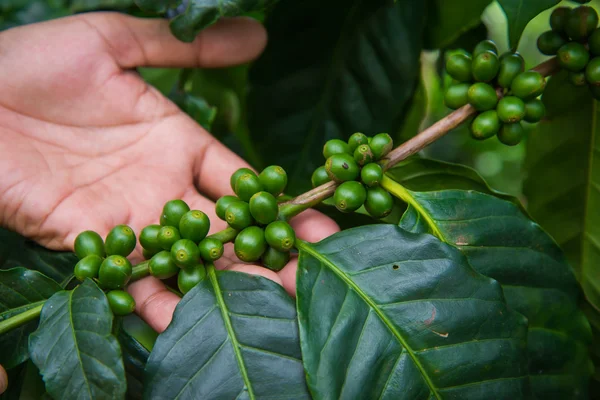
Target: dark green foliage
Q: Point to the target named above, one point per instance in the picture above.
(185, 253)
(263, 207)
(485, 125)
(210, 249)
(120, 302)
(167, 236)
(319, 177)
(459, 67)
(581, 22)
(222, 204)
(519, 13)
(485, 66)
(149, 238)
(349, 196)
(280, 235)
(511, 65)
(511, 134)
(482, 96)
(88, 243)
(549, 42)
(250, 244)
(238, 215)
(457, 96)
(274, 179)
(335, 146)
(114, 272)
(511, 109)
(528, 85)
(274, 259)
(342, 167)
(190, 277)
(120, 241)
(162, 265)
(172, 212)
(194, 225)
(379, 203)
(573, 56)
(87, 267)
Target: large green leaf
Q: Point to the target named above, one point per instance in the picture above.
(449, 19)
(389, 314)
(331, 69)
(20, 290)
(519, 13)
(17, 251)
(135, 354)
(74, 348)
(234, 336)
(499, 241)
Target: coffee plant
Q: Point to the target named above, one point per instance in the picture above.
(438, 287)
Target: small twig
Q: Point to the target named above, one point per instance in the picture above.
(405, 150)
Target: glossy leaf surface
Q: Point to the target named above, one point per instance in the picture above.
(20, 290)
(389, 314)
(233, 336)
(74, 348)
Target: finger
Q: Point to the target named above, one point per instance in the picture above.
(256, 270)
(3, 380)
(154, 303)
(136, 42)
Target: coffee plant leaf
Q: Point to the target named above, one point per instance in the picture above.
(74, 348)
(449, 19)
(17, 251)
(135, 356)
(329, 70)
(519, 13)
(388, 314)
(20, 290)
(499, 241)
(233, 335)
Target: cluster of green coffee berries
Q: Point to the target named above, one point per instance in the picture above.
(575, 40)
(499, 88)
(106, 262)
(354, 165)
(254, 212)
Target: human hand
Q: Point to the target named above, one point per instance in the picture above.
(87, 144)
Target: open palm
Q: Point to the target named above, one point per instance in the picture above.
(87, 144)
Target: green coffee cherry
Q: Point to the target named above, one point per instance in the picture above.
(342, 167)
(120, 302)
(511, 109)
(246, 186)
(149, 238)
(549, 42)
(371, 174)
(280, 235)
(592, 71)
(482, 96)
(577, 78)
(528, 85)
(458, 67)
(222, 205)
(381, 144)
(356, 139)
(120, 241)
(349, 196)
(194, 225)
(89, 243)
(236, 175)
(485, 45)
(162, 265)
(190, 277)
(172, 212)
(115, 272)
(456, 96)
(379, 202)
(558, 19)
(594, 42)
(485, 66)
(185, 253)
(264, 208)
(363, 154)
(274, 179)
(573, 56)
(167, 236)
(87, 267)
(485, 125)
(250, 244)
(238, 215)
(147, 254)
(511, 134)
(319, 177)
(511, 65)
(211, 249)
(581, 22)
(335, 146)
(275, 260)
(595, 91)
(534, 111)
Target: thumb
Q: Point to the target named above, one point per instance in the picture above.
(141, 42)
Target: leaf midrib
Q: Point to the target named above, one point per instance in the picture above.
(304, 246)
(75, 341)
(229, 327)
